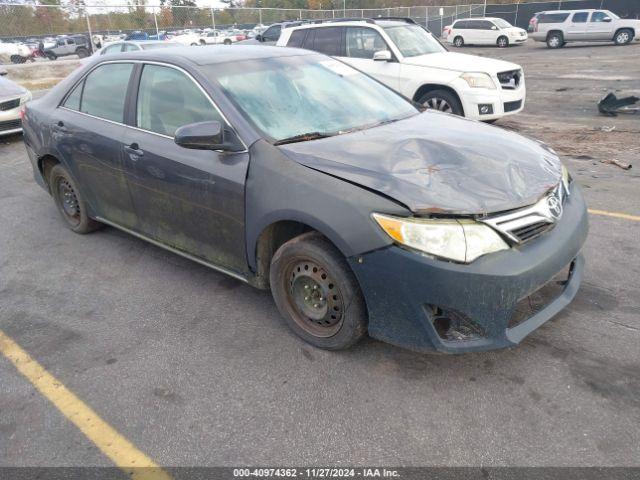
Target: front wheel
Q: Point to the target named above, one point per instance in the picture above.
(458, 42)
(623, 37)
(16, 59)
(503, 42)
(317, 293)
(227, 41)
(70, 202)
(442, 101)
(51, 56)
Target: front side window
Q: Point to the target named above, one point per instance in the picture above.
(599, 16)
(288, 96)
(460, 25)
(105, 89)
(552, 17)
(168, 100)
(580, 17)
(413, 40)
(272, 34)
(363, 42)
(500, 23)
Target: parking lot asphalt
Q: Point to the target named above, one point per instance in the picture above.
(196, 368)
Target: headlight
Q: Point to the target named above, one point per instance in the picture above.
(25, 98)
(458, 240)
(566, 179)
(478, 80)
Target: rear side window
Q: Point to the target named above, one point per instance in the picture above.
(327, 40)
(105, 90)
(461, 25)
(580, 17)
(552, 17)
(296, 39)
(363, 42)
(168, 100)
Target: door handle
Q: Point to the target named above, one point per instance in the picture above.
(59, 126)
(134, 151)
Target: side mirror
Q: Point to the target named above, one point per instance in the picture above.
(606, 19)
(494, 28)
(382, 56)
(207, 136)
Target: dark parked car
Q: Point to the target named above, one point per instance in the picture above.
(292, 171)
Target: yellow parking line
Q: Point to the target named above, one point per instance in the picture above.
(626, 216)
(120, 450)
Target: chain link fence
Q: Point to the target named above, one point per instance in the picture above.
(35, 22)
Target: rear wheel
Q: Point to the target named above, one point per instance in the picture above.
(623, 36)
(17, 59)
(82, 52)
(194, 44)
(503, 42)
(317, 293)
(51, 56)
(227, 41)
(442, 101)
(70, 202)
(555, 40)
(458, 41)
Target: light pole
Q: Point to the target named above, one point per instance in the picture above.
(344, 8)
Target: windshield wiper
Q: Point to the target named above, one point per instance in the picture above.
(303, 137)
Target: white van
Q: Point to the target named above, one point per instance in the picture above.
(485, 31)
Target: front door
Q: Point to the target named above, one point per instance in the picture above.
(90, 129)
(190, 200)
(359, 47)
(600, 26)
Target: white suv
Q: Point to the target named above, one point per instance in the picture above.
(558, 27)
(408, 58)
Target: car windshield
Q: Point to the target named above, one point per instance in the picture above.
(502, 23)
(308, 96)
(413, 40)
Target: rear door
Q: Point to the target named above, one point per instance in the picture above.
(577, 26)
(190, 200)
(360, 44)
(89, 128)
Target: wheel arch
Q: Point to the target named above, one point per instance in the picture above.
(550, 32)
(45, 163)
(430, 87)
(631, 29)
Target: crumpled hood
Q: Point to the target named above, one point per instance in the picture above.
(461, 62)
(437, 163)
(9, 89)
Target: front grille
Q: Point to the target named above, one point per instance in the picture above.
(10, 104)
(10, 125)
(527, 223)
(511, 106)
(510, 80)
(538, 300)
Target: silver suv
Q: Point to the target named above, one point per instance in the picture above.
(558, 27)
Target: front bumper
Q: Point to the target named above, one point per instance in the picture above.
(501, 100)
(10, 121)
(401, 288)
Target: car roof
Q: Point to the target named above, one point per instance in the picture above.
(570, 11)
(212, 54)
(383, 22)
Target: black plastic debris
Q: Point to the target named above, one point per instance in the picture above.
(611, 105)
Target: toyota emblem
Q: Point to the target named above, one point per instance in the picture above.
(555, 206)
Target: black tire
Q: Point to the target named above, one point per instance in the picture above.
(194, 44)
(623, 36)
(491, 121)
(440, 99)
(203, 43)
(458, 42)
(502, 42)
(70, 202)
(82, 53)
(17, 59)
(227, 41)
(51, 56)
(310, 263)
(555, 40)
